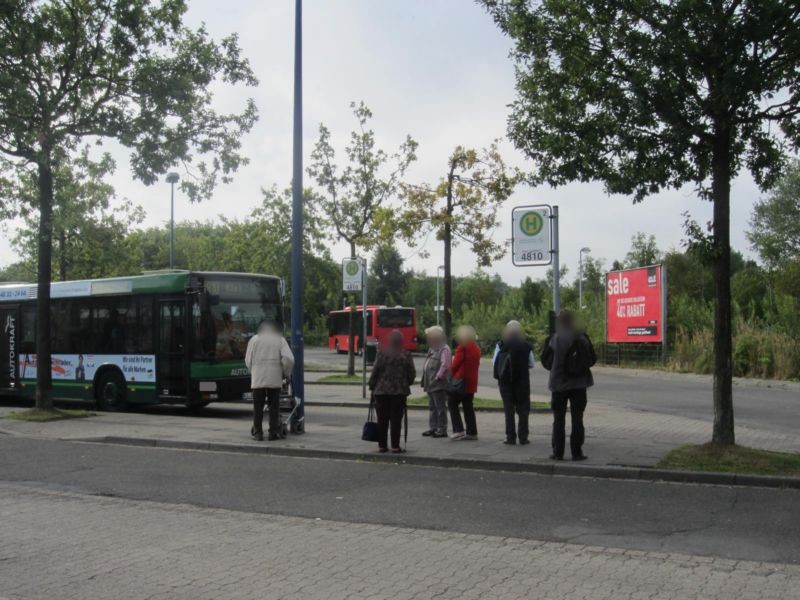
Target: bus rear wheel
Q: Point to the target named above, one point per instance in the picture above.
(112, 392)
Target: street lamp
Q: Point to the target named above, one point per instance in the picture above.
(172, 179)
(439, 268)
(580, 275)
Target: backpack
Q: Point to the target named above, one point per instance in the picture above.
(547, 355)
(580, 357)
(503, 367)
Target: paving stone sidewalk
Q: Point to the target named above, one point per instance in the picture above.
(615, 436)
(69, 546)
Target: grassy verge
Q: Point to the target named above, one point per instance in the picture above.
(479, 402)
(736, 459)
(343, 378)
(322, 368)
(42, 416)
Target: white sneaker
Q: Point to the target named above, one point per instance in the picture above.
(459, 435)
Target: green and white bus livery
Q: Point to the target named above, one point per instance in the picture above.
(165, 337)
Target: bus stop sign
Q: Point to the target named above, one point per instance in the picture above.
(531, 236)
(352, 274)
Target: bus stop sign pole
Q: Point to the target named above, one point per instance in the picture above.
(364, 332)
(298, 383)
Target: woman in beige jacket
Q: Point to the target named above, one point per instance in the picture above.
(270, 360)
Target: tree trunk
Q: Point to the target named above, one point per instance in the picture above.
(44, 381)
(723, 343)
(448, 254)
(351, 355)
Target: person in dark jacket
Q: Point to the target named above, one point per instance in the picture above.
(513, 361)
(568, 388)
(390, 382)
(465, 368)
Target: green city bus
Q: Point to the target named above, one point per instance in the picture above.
(175, 337)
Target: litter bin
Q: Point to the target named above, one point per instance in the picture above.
(372, 351)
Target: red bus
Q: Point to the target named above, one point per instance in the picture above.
(381, 320)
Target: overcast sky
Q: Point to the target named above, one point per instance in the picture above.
(435, 69)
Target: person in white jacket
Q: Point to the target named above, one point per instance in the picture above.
(269, 359)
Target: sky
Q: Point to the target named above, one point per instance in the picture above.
(435, 69)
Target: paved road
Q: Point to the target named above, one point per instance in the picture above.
(775, 408)
(734, 523)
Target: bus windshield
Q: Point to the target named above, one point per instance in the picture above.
(237, 307)
(395, 318)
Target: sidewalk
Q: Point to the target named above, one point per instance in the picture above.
(615, 436)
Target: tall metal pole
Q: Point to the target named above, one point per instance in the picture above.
(172, 179)
(172, 226)
(580, 279)
(298, 383)
(364, 330)
(556, 271)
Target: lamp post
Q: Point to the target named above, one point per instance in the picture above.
(172, 179)
(580, 275)
(439, 268)
(297, 270)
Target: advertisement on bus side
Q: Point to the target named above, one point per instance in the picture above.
(139, 368)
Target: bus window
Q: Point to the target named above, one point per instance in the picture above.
(395, 318)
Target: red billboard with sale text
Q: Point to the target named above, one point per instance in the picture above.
(635, 305)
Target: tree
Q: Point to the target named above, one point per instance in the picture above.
(128, 70)
(645, 95)
(644, 251)
(533, 294)
(88, 235)
(389, 279)
(354, 197)
(462, 207)
(775, 224)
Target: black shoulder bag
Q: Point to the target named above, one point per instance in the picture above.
(370, 431)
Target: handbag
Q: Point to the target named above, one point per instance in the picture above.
(369, 433)
(456, 386)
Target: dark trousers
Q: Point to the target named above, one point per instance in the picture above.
(577, 404)
(516, 400)
(465, 400)
(390, 411)
(271, 397)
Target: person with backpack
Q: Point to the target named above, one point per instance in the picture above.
(569, 355)
(513, 361)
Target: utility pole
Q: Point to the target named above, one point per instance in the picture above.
(172, 179)
(580, 276)
(298, 383)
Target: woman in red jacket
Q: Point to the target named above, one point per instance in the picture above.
(465, 368)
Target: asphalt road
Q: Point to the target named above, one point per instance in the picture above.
(774, 408)
(738, 523)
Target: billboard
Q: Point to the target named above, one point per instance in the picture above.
(636, 305)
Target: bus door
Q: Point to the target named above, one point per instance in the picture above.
(171, 365)
(9, 347)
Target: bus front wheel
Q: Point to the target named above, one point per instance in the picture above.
(112, 392)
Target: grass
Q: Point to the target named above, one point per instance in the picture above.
(322, 368)
(343, 378)
(479, 402)
(43, 416)
(731, 459)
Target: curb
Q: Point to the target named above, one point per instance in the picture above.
(346, 404)
(563, 469)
